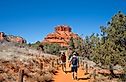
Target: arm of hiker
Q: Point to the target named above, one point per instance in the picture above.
(70, 61)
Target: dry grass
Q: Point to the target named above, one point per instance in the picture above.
(12, 59)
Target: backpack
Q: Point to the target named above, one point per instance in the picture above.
(74, 61)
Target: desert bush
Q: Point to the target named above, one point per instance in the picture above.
(47, 77)
(52, 71)
(35, 45)
(52, 48)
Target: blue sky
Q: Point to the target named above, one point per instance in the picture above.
(34, 19)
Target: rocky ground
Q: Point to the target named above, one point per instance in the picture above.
(35, 65)
(102, 74)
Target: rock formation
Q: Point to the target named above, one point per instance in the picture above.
(11, 38)
(2, 36)
(61, 35)
(16, 39)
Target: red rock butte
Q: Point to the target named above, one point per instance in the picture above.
(61, 35)
(11, 38)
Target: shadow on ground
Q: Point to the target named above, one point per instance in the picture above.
(68, 71)
(83, 78)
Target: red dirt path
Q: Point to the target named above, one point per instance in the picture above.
(67, 77)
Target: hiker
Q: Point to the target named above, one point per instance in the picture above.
(63, 61)
(69, 57)
(74, 62)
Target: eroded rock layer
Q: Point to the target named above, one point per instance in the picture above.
(61, 35)
(11, 38)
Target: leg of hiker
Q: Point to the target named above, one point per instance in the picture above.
(75, 75)
(72, 75)
(75, 72)
(72, 69)
(62, 66)
(65, 66)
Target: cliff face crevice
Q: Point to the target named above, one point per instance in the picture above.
(61, 35)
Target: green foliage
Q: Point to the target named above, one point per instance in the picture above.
(114, 44)
(77, 44)
(63, 48)
(110, 47)
(52, 48)
(91, 45)
(35, 45)
(71, 43)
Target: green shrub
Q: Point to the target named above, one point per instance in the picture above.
(52, 48)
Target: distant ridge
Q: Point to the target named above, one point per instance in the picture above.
(11, 38)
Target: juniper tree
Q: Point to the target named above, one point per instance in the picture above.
(112, 48)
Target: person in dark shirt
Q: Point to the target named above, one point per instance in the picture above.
(74, 62)
(63, 61)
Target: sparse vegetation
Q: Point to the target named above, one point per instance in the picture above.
(36, 44)
(14, 58)
(52, 48)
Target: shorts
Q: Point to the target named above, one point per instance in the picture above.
(74, 69)
(63, 62)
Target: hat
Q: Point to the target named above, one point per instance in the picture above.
(74, 53)
(62, 53)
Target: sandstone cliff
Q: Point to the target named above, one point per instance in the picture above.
(61, 35)
(11, 38)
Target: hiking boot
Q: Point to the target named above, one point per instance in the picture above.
(73, 78)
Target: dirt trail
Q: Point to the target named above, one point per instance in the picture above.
(67, 77)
